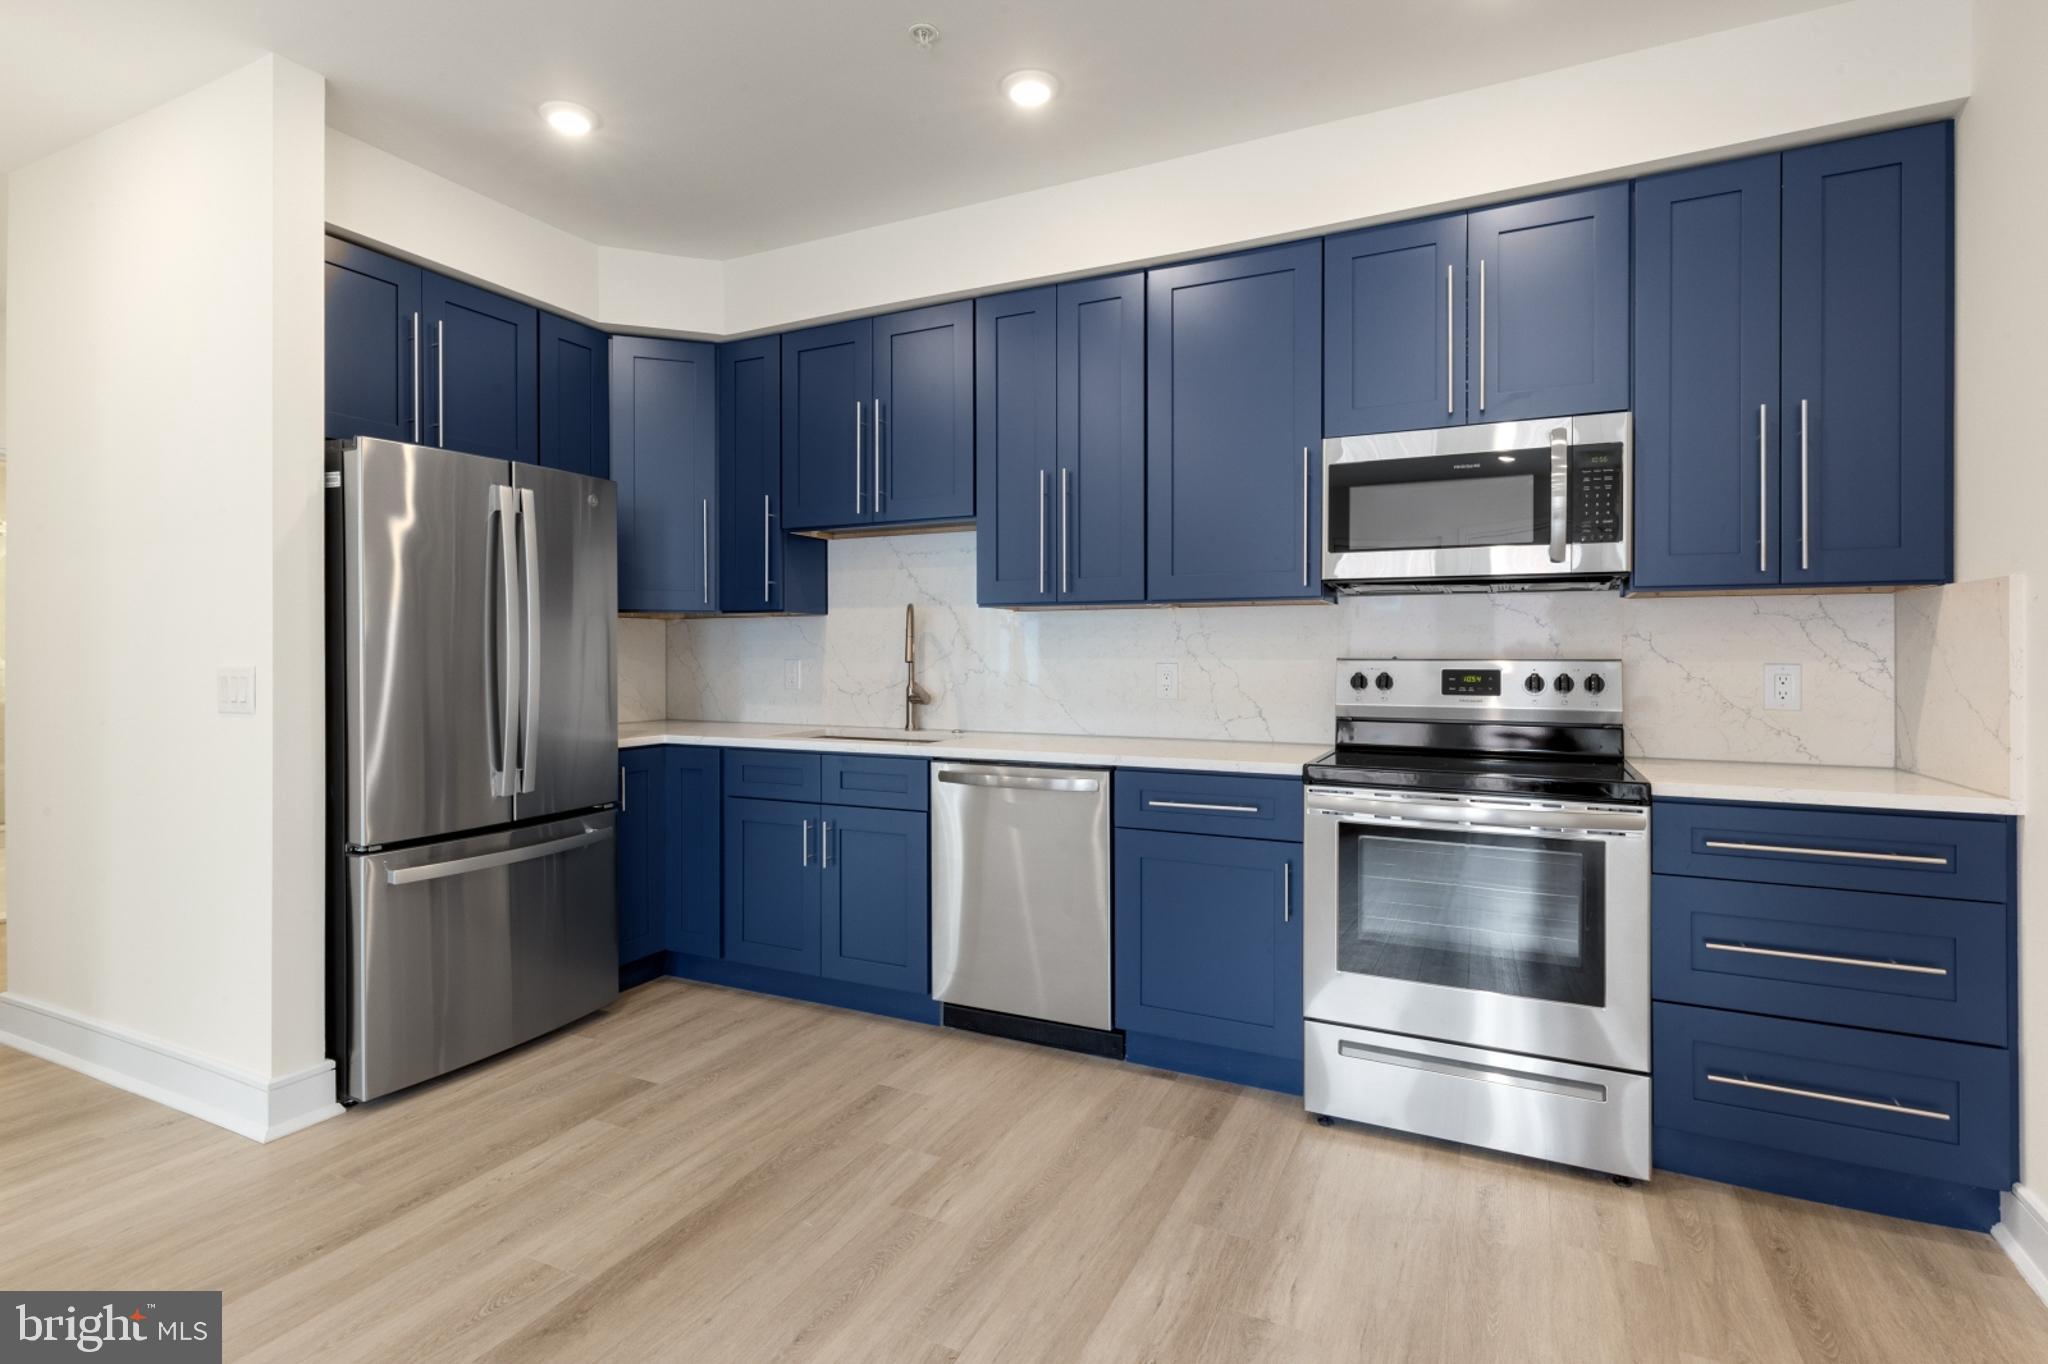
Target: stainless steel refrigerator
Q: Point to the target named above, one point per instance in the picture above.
(472, 757)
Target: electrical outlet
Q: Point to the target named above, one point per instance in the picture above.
(1169, 681)
(792, 674)
(1781, 686)
(235, 691)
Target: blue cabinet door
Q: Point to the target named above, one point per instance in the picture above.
(481, 379)
(876, 919)
(664, 460)
(1208, 940)
(1233, 356)
(1865, 443)
(1016, 381)
(923, 416)
(690, 810)
(1548, 293)
(760, 566)
(827, 415)
(1100, 498)
(374, 350)
(772, 884)
(575, 407)
(1393, 327)
(643, 839)
(1707, 410)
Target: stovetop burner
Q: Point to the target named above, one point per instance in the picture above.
(1544, 729)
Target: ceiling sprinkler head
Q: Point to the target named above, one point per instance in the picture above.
(924, 35)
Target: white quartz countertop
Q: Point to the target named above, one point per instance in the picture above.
(1870, 788)
(1076, 750)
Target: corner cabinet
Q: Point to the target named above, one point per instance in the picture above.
(668, 851)
(878, 421)
(1233, 397)
(643, 838)
(1060, 444)
(1793, 365)
(761, 568)
(575, 403)
(664, 459)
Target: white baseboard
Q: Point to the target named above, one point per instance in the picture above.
(2023, 1231)
(247, 1104)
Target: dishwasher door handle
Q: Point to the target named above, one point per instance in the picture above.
(1018, 781)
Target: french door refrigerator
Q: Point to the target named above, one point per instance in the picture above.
(471, 754)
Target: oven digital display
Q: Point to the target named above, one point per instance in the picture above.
(1476, 683)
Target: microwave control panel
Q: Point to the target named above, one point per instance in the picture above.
(1594, 495)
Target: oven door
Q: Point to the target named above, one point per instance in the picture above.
(1519, 926)
(1511, 500)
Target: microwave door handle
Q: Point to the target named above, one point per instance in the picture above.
(1560, 489)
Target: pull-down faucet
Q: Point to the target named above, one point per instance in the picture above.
(913, 695)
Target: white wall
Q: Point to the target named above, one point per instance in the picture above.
(2001, 351)
(165, 367)
(1851, 65)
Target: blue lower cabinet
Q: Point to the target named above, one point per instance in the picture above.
(876, 901)
(772, 889)
(1208, 955)
(691, 806)
(643, 847)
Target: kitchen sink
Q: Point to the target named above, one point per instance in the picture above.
(905, 738)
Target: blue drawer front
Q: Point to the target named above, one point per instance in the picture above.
(1941, 1109)
(761, 775)
(1946, 856)
(1900, 962)
(886, 783)
(1209, 803)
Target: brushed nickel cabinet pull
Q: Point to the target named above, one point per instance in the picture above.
(1903, 1110)
(1763, 490)
(1914, 859)
(1870, 963)
(1200, 805)
(1450, 345)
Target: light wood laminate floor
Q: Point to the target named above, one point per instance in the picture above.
(700, 1174)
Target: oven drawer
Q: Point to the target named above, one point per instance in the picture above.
(1950, 857)
(1910, 1104)
(1209, 803)
(1586, 1116)
(1899, 962)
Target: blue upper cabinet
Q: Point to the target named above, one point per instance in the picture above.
(664, 459)
(1548, 293)
(1016, 413)
(1394, 327)
(374, 348)
(575, 411)
(760, 566)
(481, 377)
(922, 416)
(1867, 355)
(1707, 409)
(1233, 354)
(1100, 498)
(827, 385)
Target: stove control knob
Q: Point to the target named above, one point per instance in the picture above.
(1385, 681)
(1533, 682)
(1563, 684)
(1358, 681)
(1595, 683)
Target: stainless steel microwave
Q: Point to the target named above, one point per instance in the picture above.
(1534, 504)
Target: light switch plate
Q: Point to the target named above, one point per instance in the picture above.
(1781, 686)
(235, 691)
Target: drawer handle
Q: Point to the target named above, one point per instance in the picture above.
(1913, 858)
(1869, 962)
(1199, 805)
(1894, 1106)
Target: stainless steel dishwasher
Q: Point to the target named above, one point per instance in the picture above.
(1020, 901)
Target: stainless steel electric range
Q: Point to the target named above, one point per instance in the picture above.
(1477, 897)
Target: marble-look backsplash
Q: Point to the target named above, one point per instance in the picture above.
(1693, 667)
(643, 670)
(1962, 666)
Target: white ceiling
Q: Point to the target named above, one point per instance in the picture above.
(731, 128)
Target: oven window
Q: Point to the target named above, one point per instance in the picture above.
(1441, 502)
(1489, 912)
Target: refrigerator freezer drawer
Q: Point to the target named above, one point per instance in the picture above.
(462, 949)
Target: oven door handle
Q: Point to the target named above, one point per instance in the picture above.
(1486, 816)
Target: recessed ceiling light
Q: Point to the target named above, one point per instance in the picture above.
(1029, 89)
(570, 120)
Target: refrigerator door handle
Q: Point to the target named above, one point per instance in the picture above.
(505, 679)
(462, 866)
(529, 586)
